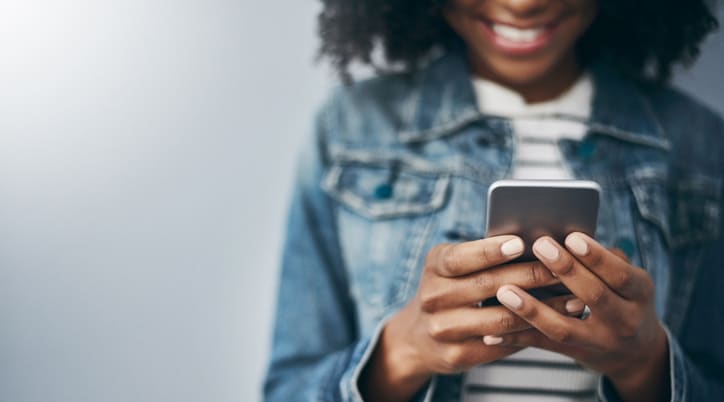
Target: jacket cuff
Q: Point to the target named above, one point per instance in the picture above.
(678, 380)
(349, 385)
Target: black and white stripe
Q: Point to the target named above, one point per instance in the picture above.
(531, 375)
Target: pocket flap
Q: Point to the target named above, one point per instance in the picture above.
(686, 208)
(386, 190)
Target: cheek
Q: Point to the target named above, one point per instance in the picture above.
(456, 18)
(568, 34)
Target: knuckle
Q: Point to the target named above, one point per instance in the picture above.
(529, 312)
(432, 260)
(561, 334)
(437, 330)
(538, 274)
(429, 301)
(506, 323)
(453, 358)
(566, 266)
(450, 260)
(595, 259)
(486, 283)
(622, 279)
(487, 255)
(599, 295)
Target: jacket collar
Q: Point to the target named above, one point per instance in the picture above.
(446, 102)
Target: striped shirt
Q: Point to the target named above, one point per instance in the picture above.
(535, 374)
(538, 127)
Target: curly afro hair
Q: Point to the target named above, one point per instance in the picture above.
(408, 31)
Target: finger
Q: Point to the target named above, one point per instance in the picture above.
(577, 278)
(526, 338)
(451, 260)
(552, 324)
(462, 323)
(626, 280)
(446, 293)
(462, 356)
(534, 338)
(619, 253)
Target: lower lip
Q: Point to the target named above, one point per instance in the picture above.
(517, 48)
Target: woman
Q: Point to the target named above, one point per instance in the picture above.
(386, 257)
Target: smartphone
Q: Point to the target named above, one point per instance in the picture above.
(534, 208)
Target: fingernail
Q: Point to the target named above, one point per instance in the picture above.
(575, 306)
(509, 298)
(512, 247)
(492, 340)
(576, 244)
(545, 248)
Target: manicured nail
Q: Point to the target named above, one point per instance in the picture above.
(575, 243)
(512, 247)
(509, 298)
(575, 306)
(491, 340)
(546, 248)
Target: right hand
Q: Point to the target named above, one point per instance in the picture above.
(441, 330)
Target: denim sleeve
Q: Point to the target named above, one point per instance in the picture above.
(696, 355)
(317, 353)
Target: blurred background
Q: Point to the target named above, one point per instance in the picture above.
(146, 154)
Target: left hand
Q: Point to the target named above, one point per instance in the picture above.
(621, 339)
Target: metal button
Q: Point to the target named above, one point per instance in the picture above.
(586, 149)
(383, 191)
(483, 141)
(626, 245)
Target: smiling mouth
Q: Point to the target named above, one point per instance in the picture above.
(515, 40)
(517, 35)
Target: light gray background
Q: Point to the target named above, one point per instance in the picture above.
(146, 153)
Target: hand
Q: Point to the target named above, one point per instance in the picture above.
(622, 338)
(441, 330)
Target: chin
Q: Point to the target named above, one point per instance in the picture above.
(521, 73)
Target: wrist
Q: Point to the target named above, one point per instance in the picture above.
(404, 357)
(649, 380)
(394, 371)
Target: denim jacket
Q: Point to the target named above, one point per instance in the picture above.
(402, 162)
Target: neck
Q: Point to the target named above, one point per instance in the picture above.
(543, 88)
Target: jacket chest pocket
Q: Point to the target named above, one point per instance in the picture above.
(388, 210)
(686, 209)
(386, 192)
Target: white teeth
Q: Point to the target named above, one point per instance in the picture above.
(517, 35)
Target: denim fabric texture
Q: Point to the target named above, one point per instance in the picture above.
(402, 162)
